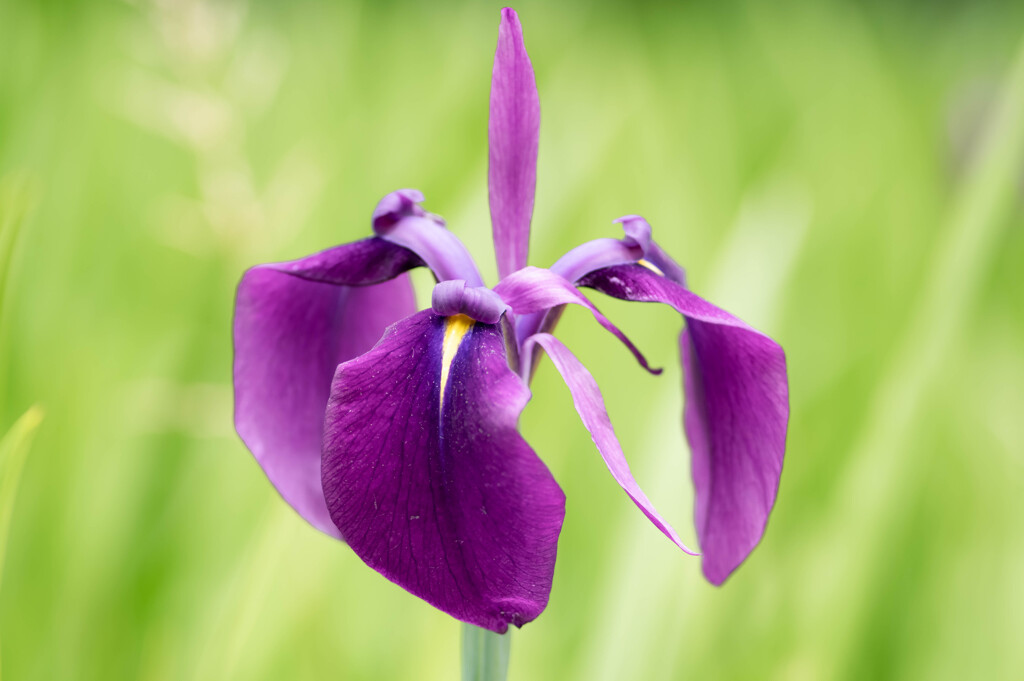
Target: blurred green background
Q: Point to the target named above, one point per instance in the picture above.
(847, 177)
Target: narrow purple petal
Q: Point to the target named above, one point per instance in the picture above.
(737, 410)
(636, 246)
(400, 219)
(533, 291)
(294, 323)
(513, 133)
(440, 493)
(594, 255)
(586, 396)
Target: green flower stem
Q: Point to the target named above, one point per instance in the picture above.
(484, 654)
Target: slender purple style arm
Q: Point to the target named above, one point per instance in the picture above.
(400, 219)
(533, 291)
(586, 396)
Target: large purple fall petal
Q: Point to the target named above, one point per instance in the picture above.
(513, 132)
(294, 323)
(737, 409)
(586, 397)
(438, 492)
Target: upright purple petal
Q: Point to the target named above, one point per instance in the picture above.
(513, 133)
(436, 490)
(586, 396)
(737, 410)
(294, 323)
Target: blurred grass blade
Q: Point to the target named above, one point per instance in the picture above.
(484, 654)
(13, 449)
(883, 460)
(16, 199)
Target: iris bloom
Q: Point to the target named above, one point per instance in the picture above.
(395, 430)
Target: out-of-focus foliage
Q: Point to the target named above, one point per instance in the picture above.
(845, 176)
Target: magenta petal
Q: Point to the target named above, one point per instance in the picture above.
(737, 410)
(532, 291)
(513, 133)
(586, 396)
(449, 501)
(294, 323)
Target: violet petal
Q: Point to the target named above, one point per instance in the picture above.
(294, 323)
(513, 132)
(479, 302)
(400, 219)
(532, 291)
(443, 496)
(586, 397)
(737, 410)
(635, 246)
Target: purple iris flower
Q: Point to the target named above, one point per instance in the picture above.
(395, 430)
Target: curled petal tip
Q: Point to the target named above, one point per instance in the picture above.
(400, 219)
(395, 206)
(400, 204)
(453, 297)
(637, 230)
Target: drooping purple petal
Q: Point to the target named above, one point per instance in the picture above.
(586, 396)
(438, 492)
(513, 133)
(532, 291)
(294, 323)
(737, 410)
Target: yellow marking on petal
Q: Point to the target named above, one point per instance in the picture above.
(651, 266)
(455, 329)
